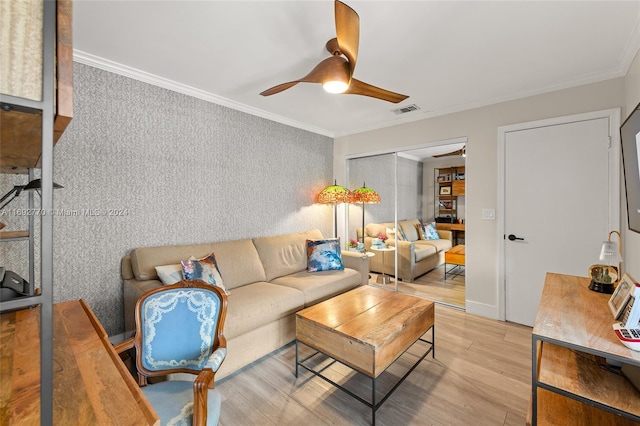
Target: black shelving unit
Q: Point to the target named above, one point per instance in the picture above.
(45, 106)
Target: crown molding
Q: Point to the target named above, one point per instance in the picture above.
(145, 77)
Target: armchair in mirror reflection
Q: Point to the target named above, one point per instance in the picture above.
(13, 286)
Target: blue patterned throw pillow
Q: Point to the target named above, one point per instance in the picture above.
(430, 232)
(205, 269)
(324, 255)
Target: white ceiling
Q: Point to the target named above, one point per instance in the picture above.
(446, 55)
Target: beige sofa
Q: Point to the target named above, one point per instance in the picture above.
(415, 256)
(267, 282)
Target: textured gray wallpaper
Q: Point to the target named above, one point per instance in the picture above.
(145, 166)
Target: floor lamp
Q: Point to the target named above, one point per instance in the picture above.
(364, 195)
(334, 194)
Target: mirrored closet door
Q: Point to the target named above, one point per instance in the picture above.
(408, 188)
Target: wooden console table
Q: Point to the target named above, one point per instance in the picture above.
(91, 385)
(571, 382)
(455, 228)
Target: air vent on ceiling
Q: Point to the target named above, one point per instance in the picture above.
(406, 109)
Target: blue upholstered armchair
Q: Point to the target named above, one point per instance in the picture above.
(179, 330)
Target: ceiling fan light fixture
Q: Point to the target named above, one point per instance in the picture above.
(335, 86)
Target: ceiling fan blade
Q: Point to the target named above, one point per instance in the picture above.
(347, 32)
(279, 88)
(327, 68)
(358, 87)
(457, 152)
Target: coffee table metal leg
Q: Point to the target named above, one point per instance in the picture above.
(371, 404)
(373, 401)
(433, 341)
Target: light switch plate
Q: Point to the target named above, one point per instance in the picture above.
(489, 214)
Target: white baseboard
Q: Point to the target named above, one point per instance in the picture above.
(482, 309)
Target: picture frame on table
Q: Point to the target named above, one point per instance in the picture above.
(445, 190)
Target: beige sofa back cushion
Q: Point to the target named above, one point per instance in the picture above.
(409, 228)
(239, 263)
(284, 254)
(375, 229)
(145, 259)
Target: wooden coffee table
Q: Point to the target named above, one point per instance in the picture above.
(454, 256)
(366, 329)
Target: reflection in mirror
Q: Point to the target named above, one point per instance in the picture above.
(379, 173)
(408, 187)
(376, 172)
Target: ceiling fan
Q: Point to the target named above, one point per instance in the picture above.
(462, 152)
(336, 73)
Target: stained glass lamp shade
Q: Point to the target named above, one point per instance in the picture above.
(364, 195)
(334, 194)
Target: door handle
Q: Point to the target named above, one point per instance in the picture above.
(512, 237)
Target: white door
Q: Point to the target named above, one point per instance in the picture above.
(557, 206)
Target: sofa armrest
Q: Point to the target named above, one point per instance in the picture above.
(445, 235)
(357, 261)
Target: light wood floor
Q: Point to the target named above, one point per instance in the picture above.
(432, 286)
(481, 375)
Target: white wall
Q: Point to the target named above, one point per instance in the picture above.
(480, 127)
(631, 239)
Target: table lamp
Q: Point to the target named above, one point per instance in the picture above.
(606, 275)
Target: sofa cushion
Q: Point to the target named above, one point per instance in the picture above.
(239, 263)
(169, 274)
(284, 254)
(374, 229)
(409, 229)
(320, 285)
(253, 305)
(324, 255)
(145, 259)
(422, 251)
(394, 234)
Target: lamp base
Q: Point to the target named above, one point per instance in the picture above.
(601, 287)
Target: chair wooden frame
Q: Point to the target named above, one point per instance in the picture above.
(205, 379)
